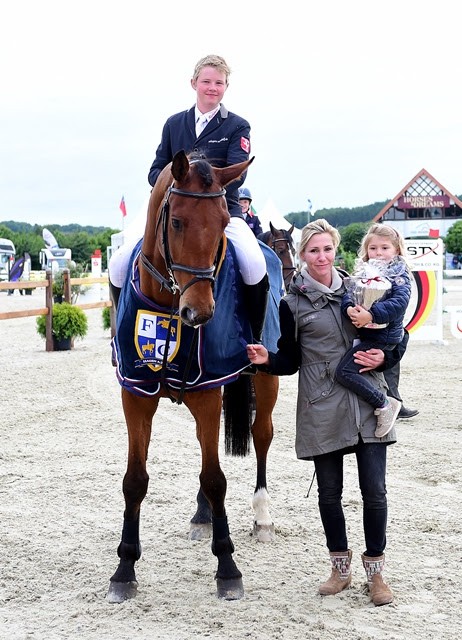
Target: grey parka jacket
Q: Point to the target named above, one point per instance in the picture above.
(314, 336)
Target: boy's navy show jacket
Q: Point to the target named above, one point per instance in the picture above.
(224, 141)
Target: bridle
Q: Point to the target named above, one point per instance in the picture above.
(200, 273)
(290, 249)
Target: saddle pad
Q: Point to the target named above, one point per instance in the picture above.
(145, 331)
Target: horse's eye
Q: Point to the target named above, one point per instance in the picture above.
(176, 224)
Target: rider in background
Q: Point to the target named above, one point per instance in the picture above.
(245, 200)
(224, 139)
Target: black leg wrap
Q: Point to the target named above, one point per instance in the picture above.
(221, 542)
(131, 531)
(256, 302)
(130, 547)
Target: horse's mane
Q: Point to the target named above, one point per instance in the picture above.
(204, 168)
(265, 236)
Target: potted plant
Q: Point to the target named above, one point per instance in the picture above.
(58, 287)
(68, 322)
(106, 317)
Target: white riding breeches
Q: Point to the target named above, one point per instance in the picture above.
(250, 258)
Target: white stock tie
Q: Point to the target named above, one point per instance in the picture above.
(200, 125)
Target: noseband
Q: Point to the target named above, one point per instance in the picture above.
(199, 273)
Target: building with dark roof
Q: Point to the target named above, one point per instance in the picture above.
(422, 208)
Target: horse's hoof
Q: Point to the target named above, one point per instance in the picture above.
(230, 589)
(121, 591)
(264, 532)
(201, 531)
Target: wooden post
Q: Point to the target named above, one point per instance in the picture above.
(49, 306)
(67, 285)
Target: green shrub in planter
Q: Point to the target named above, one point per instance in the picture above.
(69, 321)
(106, 314)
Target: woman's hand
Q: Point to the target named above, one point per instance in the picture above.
(257, 354)
(370, 359)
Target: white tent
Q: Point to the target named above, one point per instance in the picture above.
(270, 213)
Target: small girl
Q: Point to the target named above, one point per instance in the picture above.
(381, 274)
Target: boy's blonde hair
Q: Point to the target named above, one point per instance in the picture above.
(217, 62)
(315, 227)
(382, 231)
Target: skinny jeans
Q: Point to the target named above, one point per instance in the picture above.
(371, 461)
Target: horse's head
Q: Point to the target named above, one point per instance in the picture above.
(281, 241)
(184, 233)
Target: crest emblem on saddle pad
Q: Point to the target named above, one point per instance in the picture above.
(154, 333)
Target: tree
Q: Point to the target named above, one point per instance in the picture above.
(453, 240)
(352, 235)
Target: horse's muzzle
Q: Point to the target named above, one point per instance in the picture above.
(194, 317)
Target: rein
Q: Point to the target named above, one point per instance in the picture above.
(199, 273)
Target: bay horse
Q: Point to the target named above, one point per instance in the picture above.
(281, 242)
(173, 276)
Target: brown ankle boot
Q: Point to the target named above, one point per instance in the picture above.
(379, 591)
(340, 578)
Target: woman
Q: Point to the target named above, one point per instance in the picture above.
(331, 420)
(224, 139)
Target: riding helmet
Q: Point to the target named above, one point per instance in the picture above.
(244, 194)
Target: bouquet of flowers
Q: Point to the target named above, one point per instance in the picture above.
(369, 284)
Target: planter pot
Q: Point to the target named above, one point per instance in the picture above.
(62, 345)
(58, 299)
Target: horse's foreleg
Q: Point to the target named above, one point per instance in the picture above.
(200, 527)
(206, 409)
(266, 392)
(138, 415)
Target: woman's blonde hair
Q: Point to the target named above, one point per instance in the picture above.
(382, 231)
(315, 227)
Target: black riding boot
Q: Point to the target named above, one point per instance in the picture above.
(114, 294)
(256, 302)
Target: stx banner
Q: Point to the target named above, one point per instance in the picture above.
(424, 317)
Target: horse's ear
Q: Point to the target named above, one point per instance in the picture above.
(291, 229)
(180, 165)
(233, 172)
(273, 230)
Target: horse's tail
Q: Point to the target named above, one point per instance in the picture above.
(237, 406)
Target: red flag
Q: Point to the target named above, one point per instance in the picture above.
(434, 233)
(122, 207)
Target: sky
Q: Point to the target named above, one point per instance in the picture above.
(347, 101)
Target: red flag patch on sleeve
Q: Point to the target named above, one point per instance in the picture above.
(245, 144)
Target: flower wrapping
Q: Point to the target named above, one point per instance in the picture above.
(369, 284)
